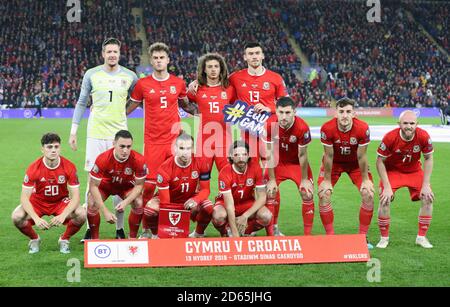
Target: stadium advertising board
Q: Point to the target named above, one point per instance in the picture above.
(230, 251)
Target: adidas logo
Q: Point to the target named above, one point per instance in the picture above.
(204, 96)
(176, 179)
(244, 85)
(152, 91)
(234, 185)
(43, 179)
(338, 142)
(309, 212)
(398, 151)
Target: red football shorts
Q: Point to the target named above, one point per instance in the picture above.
(337, 169)
(155, 155)
(412, 181)
(50, 209)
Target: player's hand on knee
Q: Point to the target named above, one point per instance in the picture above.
(57, 221)
(386, 196)
(272, 188)
(324, 187)
(190, 204)
(306, 189)
(41, 223)
(427, 194)
(367, 189)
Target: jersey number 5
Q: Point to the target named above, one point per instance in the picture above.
(163, 102)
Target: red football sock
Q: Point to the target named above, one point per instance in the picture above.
(134, 221)
(308, 216)
(27, 229)
(365, 218)
(94, 223)
(383, 224)
(151, 219)
(274, 207)
(71, 229)
(327, 217)
(424, 224)
(149, 190)
(204, 216)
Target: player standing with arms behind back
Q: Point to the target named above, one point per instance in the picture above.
(109, 85)
(160, 93)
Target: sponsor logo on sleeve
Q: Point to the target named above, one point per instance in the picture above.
(323, 136)
(222, 185)
(382, 146)
(159, 178)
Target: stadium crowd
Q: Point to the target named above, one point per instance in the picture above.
(391, 63)
(41, 52)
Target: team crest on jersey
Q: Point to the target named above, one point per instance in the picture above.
(416, 148)
(159, 178)
(353, 141)
(223, 95)
(26, 179)
(128, 171)
(249, 182)
(194, 175)
(382, 146)
(323, 136)
(174, 217)
(173, 89)
(123, 83)
(222, 185)
(292, 139)
(266, 86)
(61, 179)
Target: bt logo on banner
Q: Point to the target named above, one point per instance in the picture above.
(102, 251)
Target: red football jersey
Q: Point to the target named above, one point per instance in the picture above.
(265, 88)
(119, 174)
(182, 182)
(50, 184)
(345, 144)
(160, 102)
(211, 101)
(298, 135)
(241, 185)
(402, 155)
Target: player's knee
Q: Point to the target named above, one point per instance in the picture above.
(305, 196)
(427, 205)
(264, 217)
(80, 215)
(153, 204)
(325, 197)
(17, 216)
(137, 203)
(219, 216)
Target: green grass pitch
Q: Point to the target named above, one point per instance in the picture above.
(402, 263)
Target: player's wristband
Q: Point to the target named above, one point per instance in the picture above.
(73, 129)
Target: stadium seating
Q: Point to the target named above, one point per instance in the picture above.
(391, 63)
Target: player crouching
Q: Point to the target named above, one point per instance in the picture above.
(45, 191)
(236, 205)
(182, 180)
(118, 171)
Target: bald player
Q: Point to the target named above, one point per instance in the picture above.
(399, 166)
